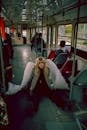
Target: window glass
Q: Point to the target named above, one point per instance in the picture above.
(24, 33)
(45, 34)
(65, 33)
(54, 35)
(82, 37)
(49, 35)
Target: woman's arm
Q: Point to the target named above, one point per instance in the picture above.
(59, 81)
(13, 88)
(27, 74)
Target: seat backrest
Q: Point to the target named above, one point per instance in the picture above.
(51, 55)
(81, 79)
(67, 67)
(60, 59)
(67, 125)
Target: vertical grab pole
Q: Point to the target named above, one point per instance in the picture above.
(74, 55)
(2, 68)
(42, 35)
(3, 89)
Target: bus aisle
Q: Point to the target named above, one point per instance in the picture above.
(48, 116)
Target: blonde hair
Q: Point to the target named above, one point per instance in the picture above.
(39, 60)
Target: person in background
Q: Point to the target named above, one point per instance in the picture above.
(7, 47)
(19, 35)
(62, 48)
(38, 44)
(41, 45)
(61, 55)
(7, 56)
(33, 41)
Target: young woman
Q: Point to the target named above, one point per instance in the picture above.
(41, 78)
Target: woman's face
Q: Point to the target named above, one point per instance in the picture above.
(41, 65)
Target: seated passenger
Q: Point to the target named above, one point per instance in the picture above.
(61, 55)
(62, 48)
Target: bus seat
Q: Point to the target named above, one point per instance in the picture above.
(69, 125)
(79, 84)
(66, 69)
(51, 54)
(60, 59)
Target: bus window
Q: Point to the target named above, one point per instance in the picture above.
(65, 33)
(82, 37)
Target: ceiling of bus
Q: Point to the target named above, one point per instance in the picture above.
(41, 12)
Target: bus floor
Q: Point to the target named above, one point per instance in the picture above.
(48, 117)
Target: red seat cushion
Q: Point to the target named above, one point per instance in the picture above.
(67, 68)
(51, 55)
